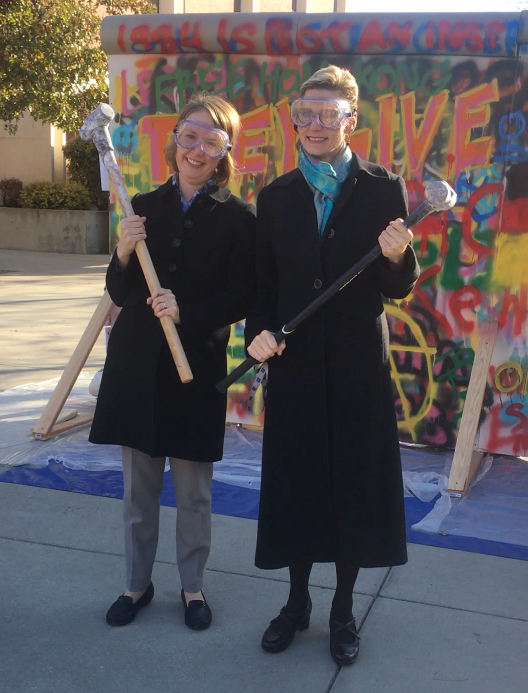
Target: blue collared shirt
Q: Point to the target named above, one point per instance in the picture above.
(202, 191)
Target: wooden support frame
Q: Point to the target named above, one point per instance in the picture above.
(466, 459)
(63, 427)
(46, 426)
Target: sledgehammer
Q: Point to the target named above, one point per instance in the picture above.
(439, 197)
(95, 129)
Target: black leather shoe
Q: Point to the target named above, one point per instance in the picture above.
(123, 611)
(281, 631)
(198, 615)
(344, 642)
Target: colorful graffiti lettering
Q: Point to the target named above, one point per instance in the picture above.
(309, 34)
(441, 99)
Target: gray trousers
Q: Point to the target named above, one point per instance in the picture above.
(143, 481)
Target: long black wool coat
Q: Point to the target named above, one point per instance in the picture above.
(331, 469)
(206, 257)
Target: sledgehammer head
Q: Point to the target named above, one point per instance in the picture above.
(95, 129)
(439, 195)
(98, 118)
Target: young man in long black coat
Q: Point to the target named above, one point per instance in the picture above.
(331, 471)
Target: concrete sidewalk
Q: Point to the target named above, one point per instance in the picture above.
(46, 301)
(446, 622)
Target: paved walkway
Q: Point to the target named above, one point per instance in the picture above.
(447, 622)
(46, 301)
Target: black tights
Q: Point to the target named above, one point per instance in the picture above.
(341, 604)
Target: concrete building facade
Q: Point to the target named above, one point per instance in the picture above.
(34, 153)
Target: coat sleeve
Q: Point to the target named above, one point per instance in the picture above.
(121, 282)
(263, 313)
(230, 306)
(397, 283)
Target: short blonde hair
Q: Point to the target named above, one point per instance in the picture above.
(335, 79)
(226, 118)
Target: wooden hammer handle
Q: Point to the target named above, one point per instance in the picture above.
(167, 323)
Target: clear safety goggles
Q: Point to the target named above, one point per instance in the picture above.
(330, 113)
(213, 141)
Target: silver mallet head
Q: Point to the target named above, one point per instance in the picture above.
(440, 196)
(98, 118)
(95, 128)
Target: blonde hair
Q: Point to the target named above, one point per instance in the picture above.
(225, 117)
(335, 79)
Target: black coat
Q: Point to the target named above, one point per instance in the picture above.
(331, 469)
(206, 257)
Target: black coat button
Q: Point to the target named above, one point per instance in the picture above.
(331, 234)
(188, 224)
(172, 267)
(176, 242)
(318, 284)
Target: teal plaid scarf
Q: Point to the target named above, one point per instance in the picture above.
(325, 180)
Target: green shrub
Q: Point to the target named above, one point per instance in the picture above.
(42, 195)
(47, 195)
(82, 162)
(10, 192)
(76, 196)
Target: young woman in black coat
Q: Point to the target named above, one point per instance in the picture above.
(201, 240)
(331, 472)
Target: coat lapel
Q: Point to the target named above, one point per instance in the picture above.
(307, 196)
(172, 208)
(220, 194)
(169, 196)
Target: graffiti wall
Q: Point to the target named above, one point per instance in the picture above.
(443, 98)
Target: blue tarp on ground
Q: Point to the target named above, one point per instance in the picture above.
(492, 518)
(237, 501)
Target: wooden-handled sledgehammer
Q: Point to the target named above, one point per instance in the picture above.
(95, 129)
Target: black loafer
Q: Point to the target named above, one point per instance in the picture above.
(123, 611)
(198, 615)
(281, 631)
(344, 642)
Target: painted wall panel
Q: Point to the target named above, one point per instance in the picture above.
(457, 111)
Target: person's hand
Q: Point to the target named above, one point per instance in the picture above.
(264, 346)
(163, 303)
(394, 241)
(132, 231)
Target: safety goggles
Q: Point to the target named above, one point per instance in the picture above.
(190, 134)
(330, 113)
